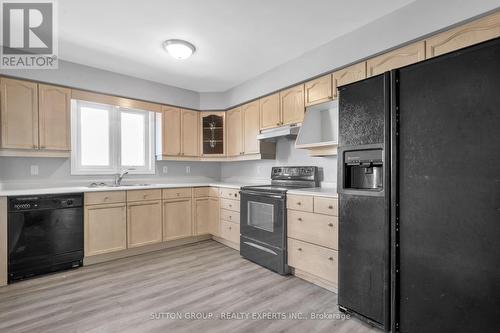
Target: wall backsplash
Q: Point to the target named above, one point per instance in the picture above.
(15, 172)
(286, 154)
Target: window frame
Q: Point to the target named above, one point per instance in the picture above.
(114, 166)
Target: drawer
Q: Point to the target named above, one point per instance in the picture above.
(233, 205)
(173, 193)
(230, 216)
(213, 192)
(329, 206)
(300, 202)
(139, 195)
(313, 259)
(96, 198)
(230, 193)
(313, 228)
(230, 231)
(201, 192)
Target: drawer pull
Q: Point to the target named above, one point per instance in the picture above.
(299, 203)
(106, 198)
(330, 207)
(236, 195)
(145, 196)
(178, 194)
(330, 224)
(299, 219)
(230, 217)
(230, 205)
(230, 228)
(300, 249)
(331, 258)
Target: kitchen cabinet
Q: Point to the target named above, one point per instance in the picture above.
(213, 134)
(176, 193)
(468, 34)
(251, 128)
(230, 231)
(201, 216)
(144, 223)
(270, 113)
(171, 131)
(213, 212)
(348, 75)
(401, 57)
(105, 228)
(230, 216)
(234, 132)
(318, 90)
(177, 218)
(54, 117)
(313, 238)
(19, 114)
(189, 133)
(292, 105)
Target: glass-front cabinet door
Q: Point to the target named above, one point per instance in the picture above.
(213, 134)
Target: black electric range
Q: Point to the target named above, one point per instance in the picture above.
(263, 216)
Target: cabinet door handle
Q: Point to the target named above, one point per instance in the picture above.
(330, 207)
(330, 224)
(299, 219)
(300, 249)
(331, 258)
(299, 203)
(236, 195)
(278, 123)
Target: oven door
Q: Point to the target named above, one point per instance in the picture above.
(263, 217)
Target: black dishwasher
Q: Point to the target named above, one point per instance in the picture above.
(45, 234)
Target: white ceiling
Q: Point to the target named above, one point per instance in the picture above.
(236, 40)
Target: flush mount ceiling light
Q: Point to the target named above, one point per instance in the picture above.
(178, 48)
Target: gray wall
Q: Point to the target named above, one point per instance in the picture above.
(55, 172)
(90, 78)
(414, 21)
(286, 155)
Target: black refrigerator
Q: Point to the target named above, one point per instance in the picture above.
(419, 194)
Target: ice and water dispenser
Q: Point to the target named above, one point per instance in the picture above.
(363, 170)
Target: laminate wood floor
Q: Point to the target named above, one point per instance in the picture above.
(136, 294)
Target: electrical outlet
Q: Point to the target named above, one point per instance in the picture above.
(34, 170)
(165, 169)
(188, 169)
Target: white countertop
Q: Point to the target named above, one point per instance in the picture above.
(77, 189)
(316, 191)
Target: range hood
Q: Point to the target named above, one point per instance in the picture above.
(284, 131)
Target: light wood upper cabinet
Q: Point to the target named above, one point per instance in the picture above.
(105, 228)
(251, 127)
(171, 131)
(471, 33)
(54, 117)
(190, 123)
(144, 223)
(348, 75)
(404, 56)
(292, 105)
(177, 219)
(270, 113)
(318, 90)
(19, 114)
(234, 121)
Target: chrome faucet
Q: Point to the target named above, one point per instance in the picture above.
(119, 177)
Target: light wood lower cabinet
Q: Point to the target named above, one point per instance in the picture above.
(314, 228)
(313, 259)
(213, 213)
(105, 228)
(230, 231)
(177, 219)
(144, 223)
(201, 216)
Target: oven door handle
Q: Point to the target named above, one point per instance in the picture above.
(260, 248)
(262, 194)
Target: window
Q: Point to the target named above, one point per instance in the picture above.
(107, 139)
